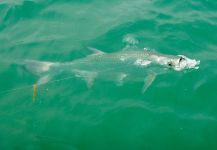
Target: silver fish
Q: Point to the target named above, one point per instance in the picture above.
(120, 66)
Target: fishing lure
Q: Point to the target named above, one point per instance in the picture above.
(34, 92)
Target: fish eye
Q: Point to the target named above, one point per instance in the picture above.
(181, 59)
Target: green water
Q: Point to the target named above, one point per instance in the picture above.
(178, 111)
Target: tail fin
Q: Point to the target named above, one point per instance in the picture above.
(37, 67)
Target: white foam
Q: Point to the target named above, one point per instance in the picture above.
(130, 39)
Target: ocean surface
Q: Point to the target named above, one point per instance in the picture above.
(177, 111)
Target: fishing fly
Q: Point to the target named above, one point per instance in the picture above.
(34, 92)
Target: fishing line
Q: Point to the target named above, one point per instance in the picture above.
(39, 84)
(35, 84)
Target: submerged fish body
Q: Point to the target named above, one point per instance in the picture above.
(119, 66)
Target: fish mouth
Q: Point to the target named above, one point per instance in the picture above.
(186, 63)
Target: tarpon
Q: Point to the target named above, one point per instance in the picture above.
(119, 66)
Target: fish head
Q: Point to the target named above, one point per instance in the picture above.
(182, 62)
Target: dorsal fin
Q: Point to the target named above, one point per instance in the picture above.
(150, 51)
(96, 51)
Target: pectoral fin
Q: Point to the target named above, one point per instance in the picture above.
(148, 81)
